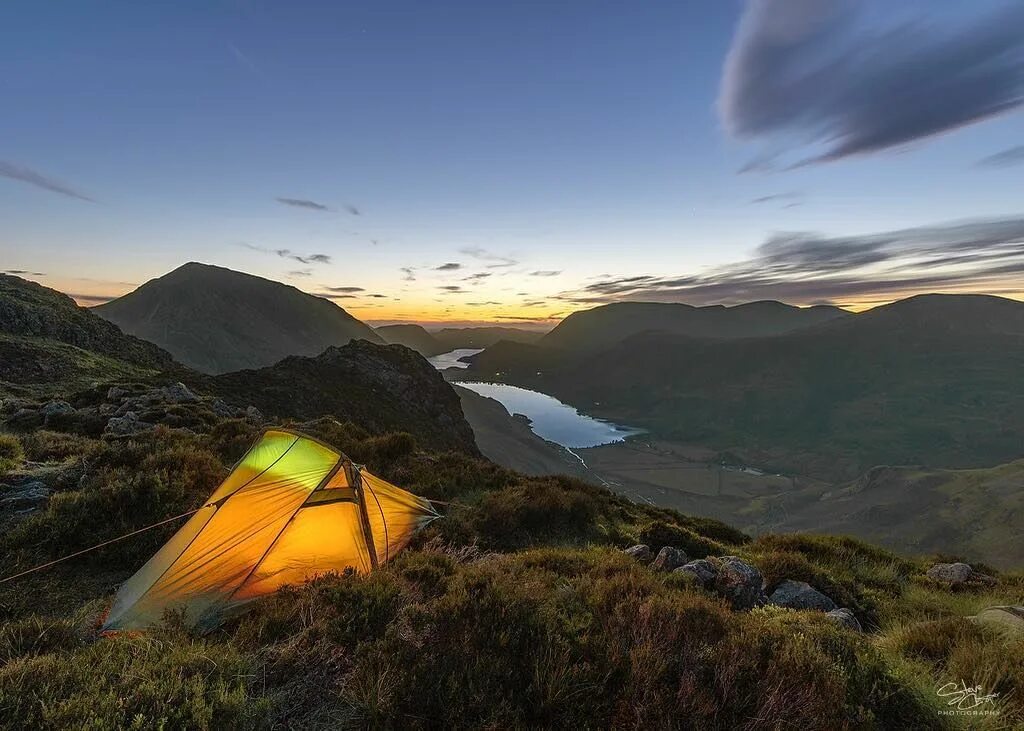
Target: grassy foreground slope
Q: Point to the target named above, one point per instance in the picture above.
(514, 610)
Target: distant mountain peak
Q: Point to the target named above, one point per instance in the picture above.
(217, 319)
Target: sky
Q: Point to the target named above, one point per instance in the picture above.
(469, 162)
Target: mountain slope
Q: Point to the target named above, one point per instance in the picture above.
(411, 336)
(217, 320)
(49, 343)
(604, 326)
(931, 380)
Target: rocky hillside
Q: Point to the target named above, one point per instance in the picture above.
(217, 320)
(381, 388)
(31, 310)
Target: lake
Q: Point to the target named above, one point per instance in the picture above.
(551, 419)
(451, 358)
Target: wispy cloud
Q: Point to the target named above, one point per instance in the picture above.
(24, 273)
(31, 177)
(242, 58)
(289, 254)
(1004, 159)
(496, 260)
(92, 299)
(344, 289)
(336, 296)
(303, 203)
(776, 198)
(409, 274)
(353, 210)
(300, 273)
(546, 273)
(826, 76)
(477, 277)
(453, 288)
(802, 268)
(449, 267)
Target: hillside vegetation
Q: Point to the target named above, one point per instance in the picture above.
(217, 320)
(516, 609)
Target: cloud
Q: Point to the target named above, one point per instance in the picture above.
(1004, 159)
(477, 277)
(546, 273)
(27, 175)
(449, 267)
(802, 268)
(776, 197)
(353, 210)
(410, 274)
(497, 261)
(451, 288)
(335, 296)
(303, 203)
(482, 304)
(377, 296)
(300, 273)
(289, 254)
(24, 273)
(92, 299)
(344, 289)
(826, 78)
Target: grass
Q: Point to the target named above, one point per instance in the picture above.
(516, 610)
(11, 454)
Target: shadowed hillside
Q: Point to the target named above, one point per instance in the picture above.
(217, 320)
(604, 326)
(931, 380)
(411, 336)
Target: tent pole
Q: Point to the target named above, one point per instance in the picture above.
(357, 484)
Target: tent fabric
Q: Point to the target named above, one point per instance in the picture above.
(291, 509)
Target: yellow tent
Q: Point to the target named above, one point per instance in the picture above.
(291, 508)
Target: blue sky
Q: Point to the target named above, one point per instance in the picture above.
(599, 140)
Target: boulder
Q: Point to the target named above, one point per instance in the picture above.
(702, 570)
(800, 595)
(846, 618)
(957, 574)
(740, 583)
(126, 425)
(221, 409)
(116, 393)
(178, 393)
(55, 408)
(1009, 618)
(254, 416)
(640, 552)
(26, 495)
(669, 559)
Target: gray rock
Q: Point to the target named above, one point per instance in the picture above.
(253, 416)
(669, 559)
(222, 410)
(55, 408)
(25, 495)
(702, 569)
(957, 574)
(800, 595)
(116, 393)
(640, 552)
(126, 425)
(178, 393)
(740, 583)
(1009, 618)
(846, 618)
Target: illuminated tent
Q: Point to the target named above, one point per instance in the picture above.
(291, 508)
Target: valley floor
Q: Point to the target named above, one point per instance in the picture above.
(971, 511)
